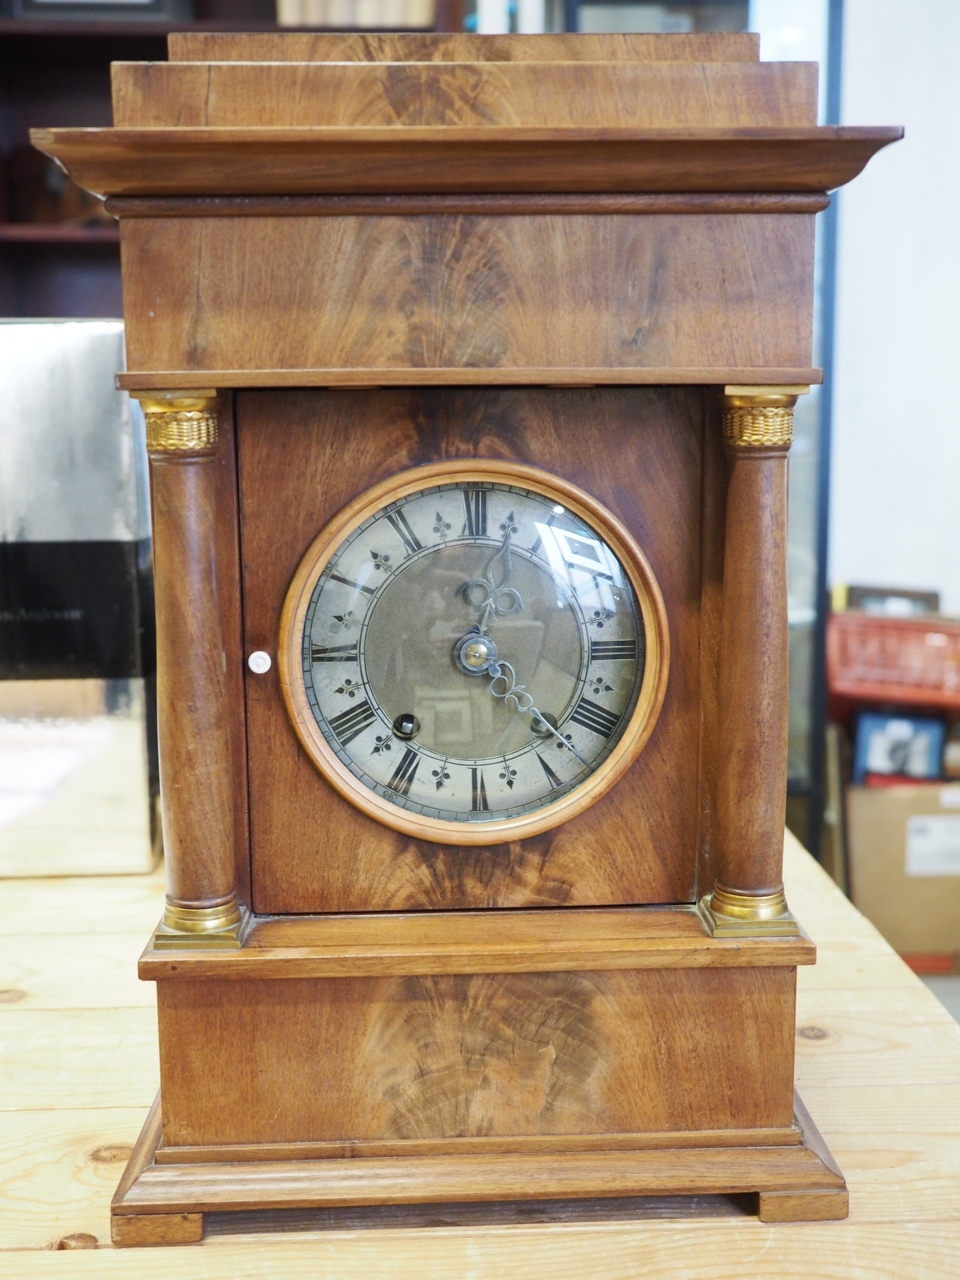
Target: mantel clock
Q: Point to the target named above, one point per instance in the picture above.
(468, 367)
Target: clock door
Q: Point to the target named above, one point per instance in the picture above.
(327, 832)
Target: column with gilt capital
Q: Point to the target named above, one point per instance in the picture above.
(748, 898)
(195, 769)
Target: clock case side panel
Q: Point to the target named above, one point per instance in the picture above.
(427, 1064)
(229, 586)
(713, 523)
(306, 455)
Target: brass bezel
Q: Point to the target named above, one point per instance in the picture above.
(497, 831)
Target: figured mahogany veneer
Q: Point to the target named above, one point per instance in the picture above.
(290, 95)
(447, 158)
(711, 295)
(452, 1056)
(230, 46)
(638, 452)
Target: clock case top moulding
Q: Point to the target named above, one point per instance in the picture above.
(345, 256)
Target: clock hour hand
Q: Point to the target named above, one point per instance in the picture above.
(491, 594)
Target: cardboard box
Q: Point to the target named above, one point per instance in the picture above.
(904, 863)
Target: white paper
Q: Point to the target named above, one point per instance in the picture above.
(933, 845)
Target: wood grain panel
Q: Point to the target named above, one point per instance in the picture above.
(231, 630)
(307, 454)
(469, 1056)
(436, 1180)
(392, 205)
(421, 943)
(585, 95)
(451, 158)
(244, 379)
(338, 46)
(714, 494)
(444, 291)
(556, 1144)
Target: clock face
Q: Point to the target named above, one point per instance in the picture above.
(469, 653)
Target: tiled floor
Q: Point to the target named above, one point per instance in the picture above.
(947, 991)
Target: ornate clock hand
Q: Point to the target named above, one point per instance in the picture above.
(476, 652)
(487, 596)
(516, 695)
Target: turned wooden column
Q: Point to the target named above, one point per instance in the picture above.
(195, 768)
(752, 766)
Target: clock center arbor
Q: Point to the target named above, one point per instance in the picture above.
(468, 367)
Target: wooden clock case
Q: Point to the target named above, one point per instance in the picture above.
(346, 257)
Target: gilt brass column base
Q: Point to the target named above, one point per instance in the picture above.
(729, 914)
(187, 928)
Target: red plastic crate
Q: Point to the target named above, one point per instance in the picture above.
(911, 661)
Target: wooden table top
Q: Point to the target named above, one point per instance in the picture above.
(878, 1066)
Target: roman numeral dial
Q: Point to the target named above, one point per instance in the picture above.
(402, 778)
(478, 792)
(333, 653)
(549, 774)
(613, 650)
(475, 513)
(590, 715)
(421, 580)
(352, 722)
(401, 526)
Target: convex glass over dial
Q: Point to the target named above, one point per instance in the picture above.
(470, 651)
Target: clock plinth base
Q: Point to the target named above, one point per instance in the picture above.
(465, 1057)
(164, 1203)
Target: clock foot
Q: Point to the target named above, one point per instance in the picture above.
(803, 1206)
(135, 1229)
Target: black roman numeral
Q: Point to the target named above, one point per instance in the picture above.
(404, 773)
(613, 650)
(478, 790)
(370, 591)
(338, 653)
(475, 512)
(551, 776)
(401, 527)
(351, 722)
(595, 718)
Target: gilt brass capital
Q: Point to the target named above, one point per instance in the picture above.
(759, 417)
(179, 423)
(192, 927)
(732, 914)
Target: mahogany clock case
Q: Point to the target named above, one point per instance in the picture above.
(308, 454)
(347, 257)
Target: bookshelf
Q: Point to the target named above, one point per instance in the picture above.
(57, 72)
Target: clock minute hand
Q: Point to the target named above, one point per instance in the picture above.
(516, 695)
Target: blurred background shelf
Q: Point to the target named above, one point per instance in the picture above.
(56, 71)
(55, 233)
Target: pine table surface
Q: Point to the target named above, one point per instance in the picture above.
(878, 1066)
